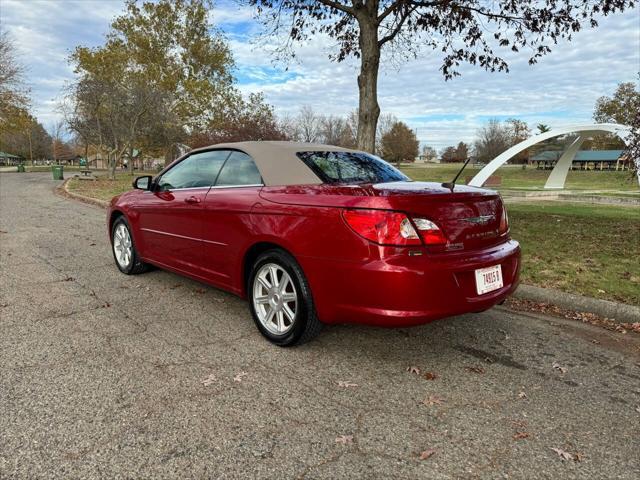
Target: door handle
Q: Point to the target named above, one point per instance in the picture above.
(192, 199)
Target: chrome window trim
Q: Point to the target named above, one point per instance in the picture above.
(217, 187)
(185, 189)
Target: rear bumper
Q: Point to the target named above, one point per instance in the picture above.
(398, 290)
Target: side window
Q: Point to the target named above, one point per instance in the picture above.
(197, 170)
(240, 169)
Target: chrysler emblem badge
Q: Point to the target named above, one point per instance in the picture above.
(481, 220)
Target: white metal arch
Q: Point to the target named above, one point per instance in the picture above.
(559, 173)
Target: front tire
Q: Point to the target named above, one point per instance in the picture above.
(124, 248)
(280, 300)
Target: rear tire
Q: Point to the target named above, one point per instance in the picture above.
(124, 249)
(280, 300)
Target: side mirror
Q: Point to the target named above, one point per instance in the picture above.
(142, 183)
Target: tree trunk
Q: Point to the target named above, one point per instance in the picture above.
(111, 156)
(368, 109)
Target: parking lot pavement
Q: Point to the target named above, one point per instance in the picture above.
(105, 375)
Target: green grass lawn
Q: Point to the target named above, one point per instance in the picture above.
(586, 249)
(516, 177)
(103, 188)
(591, 250)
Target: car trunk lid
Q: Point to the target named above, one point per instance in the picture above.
(469, 216)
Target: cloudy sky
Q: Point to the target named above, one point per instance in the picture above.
(560, 90)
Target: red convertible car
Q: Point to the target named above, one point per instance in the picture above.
(313, 234)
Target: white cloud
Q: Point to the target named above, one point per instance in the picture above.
(561, 89)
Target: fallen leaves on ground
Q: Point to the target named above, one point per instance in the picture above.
(433, 400)
(69, 279)
(520, 435)
(345, 384)
(430, 376)
(474, 369)
(415, 370)
(199, 290)
(584, 317)
(344, 439)
(238, 377)
(209, 380)
(564, 455)
(521, 424)
(425, 454)
(560, 368)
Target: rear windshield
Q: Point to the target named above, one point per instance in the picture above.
(350, 167)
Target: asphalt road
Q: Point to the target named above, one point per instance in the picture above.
(104, 375)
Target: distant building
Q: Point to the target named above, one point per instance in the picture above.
(584, 160)
(8, 159)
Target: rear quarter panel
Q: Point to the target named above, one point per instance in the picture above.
(317, 237)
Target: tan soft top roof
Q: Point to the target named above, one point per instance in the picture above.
(277, 161)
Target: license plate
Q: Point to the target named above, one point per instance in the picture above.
(488, 279)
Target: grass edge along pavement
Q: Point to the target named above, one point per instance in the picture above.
(581, 249)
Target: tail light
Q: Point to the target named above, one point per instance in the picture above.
(504, 222)
(382, 226)
(393, 228)
(430, 232)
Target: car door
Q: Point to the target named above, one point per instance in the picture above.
(171, 214)
(228, 211)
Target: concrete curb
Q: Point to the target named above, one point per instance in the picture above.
(64, 191)
(618, 312)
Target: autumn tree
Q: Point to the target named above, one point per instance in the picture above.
(496, 137)
(331, 127)
(400, 144)
(429, 153)
(112, 104)
(448, 155)
(163, 71)
(15, 120)
(475, 32)
(13, 93)
(385, 124)
(26, 137)
(632, 149)
(492, 139)
(621, 108)
(518, 131)
(462, 152)
(250, 119)
(308, 125)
